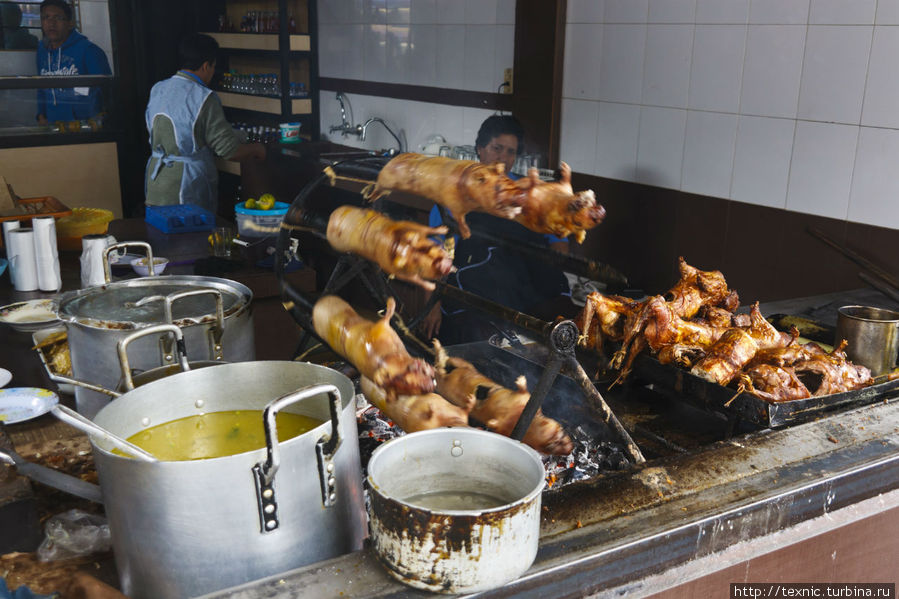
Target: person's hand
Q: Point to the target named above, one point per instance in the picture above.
(430, 324)
(42, 120)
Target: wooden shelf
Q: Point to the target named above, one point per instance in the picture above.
(264, 104)
(259, 41)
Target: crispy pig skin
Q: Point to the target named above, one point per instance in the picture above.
(496, 406)
(462, 186)
(403, 249)
(373, 348)
(553, 207)
(415, 412)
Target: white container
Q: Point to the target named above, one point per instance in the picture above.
(22, 263)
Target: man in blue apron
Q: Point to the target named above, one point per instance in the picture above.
(187, 129)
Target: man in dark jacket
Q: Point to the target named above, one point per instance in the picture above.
(66, 52)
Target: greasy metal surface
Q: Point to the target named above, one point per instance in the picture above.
(619, 528)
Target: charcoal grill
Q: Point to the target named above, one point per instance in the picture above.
(715, 478)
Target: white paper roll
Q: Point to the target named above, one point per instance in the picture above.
(9, 225)
(22, 266)
(93, 247)
(45, 253)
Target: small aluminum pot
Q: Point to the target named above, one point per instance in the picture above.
(872, 334)
(455, 510)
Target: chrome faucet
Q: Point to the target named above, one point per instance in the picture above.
(345, 127)
(363, 128)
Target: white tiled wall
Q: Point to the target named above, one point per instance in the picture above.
(455, 44)
(785, 103)
(460, 44)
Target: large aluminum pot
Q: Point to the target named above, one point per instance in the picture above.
(214, 315)
(455, 510)
(182, 529)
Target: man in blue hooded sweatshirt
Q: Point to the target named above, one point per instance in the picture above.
(66, 52)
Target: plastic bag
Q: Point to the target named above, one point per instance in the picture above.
(74, 533)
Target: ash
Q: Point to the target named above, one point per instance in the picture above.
(589, 458)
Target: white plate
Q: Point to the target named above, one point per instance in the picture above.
(19, 404)
(5, 377)
(29, 316)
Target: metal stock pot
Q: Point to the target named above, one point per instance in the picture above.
(214, 315)
(186, 528)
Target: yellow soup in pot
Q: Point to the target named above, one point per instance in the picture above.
(216, 434)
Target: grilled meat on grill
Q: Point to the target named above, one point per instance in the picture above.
(737, 346)
(462, 186)
(693, 326)
(414, 412)
(553, 207)
(497, 407)
(402, 249)
(374, 348)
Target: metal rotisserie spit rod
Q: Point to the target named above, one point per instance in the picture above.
(567, 262)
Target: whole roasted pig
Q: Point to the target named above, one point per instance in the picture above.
(462, 186)
(414, 412)
(403, 249)
(553, 207)
(374, 348)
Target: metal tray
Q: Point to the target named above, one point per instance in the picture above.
(712, 397)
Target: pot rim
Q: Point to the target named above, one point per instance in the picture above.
(242, 304)
(395, 443)
(849, 312)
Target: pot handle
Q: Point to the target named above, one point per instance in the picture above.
(264, 472)
(107, 271)
(61, 378)
(122, 347)
(215, 333)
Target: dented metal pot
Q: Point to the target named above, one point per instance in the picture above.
(455, 510)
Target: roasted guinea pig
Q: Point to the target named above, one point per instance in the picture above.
(462, 186)
(374, 348)
(497, 407)
(414, 412)
(402, 249)
(553, 207)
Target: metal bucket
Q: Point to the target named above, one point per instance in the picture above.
(455, 510)
(186, 528)
(873, 336)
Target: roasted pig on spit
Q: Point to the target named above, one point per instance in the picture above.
(497, 407)
(373, 348)
(414, 412)
(402, 249)
(462, 186)
(553, 207)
